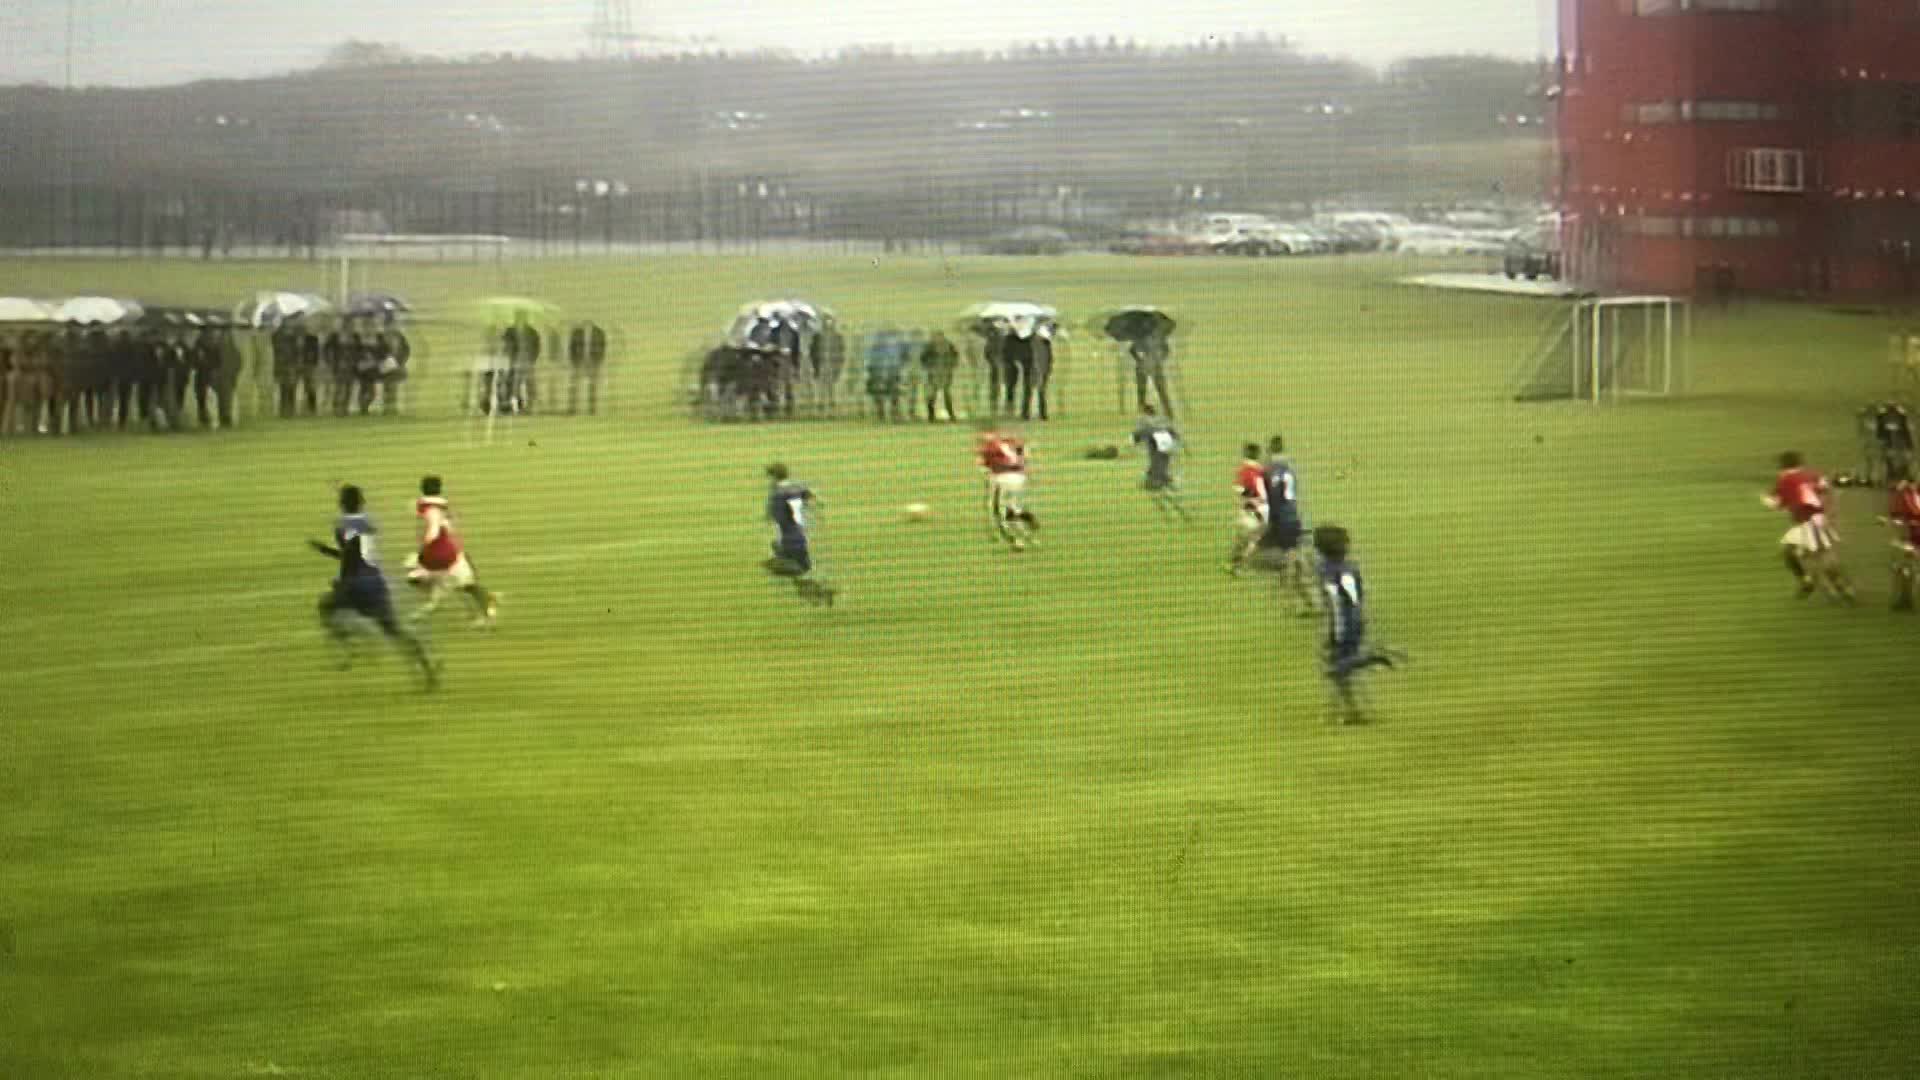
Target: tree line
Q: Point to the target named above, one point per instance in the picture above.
(1100, 121)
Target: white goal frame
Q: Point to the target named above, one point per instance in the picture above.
(357, 251)
(1666, 324)
(1903, 364)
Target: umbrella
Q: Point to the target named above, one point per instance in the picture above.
(755, 322)
(95, 309)
(505, 310)
(1022, 318)
(1010, 310)
(272, 308)
(19, 309)
(799, 312)
(1139, 324)
(377, 304)
(184, 318)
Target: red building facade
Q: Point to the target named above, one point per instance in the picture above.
(1748, 145)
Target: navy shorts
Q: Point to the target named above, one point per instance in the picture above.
(1159, 481)
(1346, 653)
(1282, 535)
(362, 594)
(794, 553)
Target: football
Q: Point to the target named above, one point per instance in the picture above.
(918, 511)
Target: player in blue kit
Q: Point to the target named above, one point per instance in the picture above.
(360, 589)
(789, 506)
(1161, 442)
(1347, 650)
(1279, 547)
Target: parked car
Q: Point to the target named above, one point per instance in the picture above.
(1359, 236)
(1529, 258)
(1438, 240)
(1256, 242)
(1156, 242)
(1030, 240)
(1320, 240)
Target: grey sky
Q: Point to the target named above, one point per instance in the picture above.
(132, 42)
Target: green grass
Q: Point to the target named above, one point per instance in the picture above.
(1633, 813)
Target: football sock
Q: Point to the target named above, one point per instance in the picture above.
(1793, 564)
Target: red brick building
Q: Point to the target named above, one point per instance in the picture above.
(1753, 145)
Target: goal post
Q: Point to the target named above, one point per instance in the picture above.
(358, 259)
(1607, 348)
(1903, 364)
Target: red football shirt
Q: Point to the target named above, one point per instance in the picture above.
(1802, 493)
(439, 545)
(1905, 510)
(1251, 479)
(1003, 453)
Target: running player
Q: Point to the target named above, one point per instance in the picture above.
(1161, 441)
(1286, 526)
(1250, 484)
(441, 564)
(1004, 457)
(1893, 437)
(1904, 515)
(1346, 646)
(789, 507)
(360, 589)
(1808, 546)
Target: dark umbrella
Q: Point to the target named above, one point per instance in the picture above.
(1139, 324)
(1145, 330)
(377, 305)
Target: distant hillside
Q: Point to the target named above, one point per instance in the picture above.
(1115, 123)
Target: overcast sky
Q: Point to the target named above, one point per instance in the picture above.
(134, 42)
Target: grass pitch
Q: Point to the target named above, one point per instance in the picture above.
(1634, 812)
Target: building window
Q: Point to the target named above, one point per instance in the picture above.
(1675, 7)
(1733, 228)
(1729, 110)
(1651, 225)
(1653, 112)
(1906, 111)
(1673, 112)
(1767, 170)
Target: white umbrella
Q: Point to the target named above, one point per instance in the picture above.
(799, 310)
(271, 308)
(763, 313)
(1023, 317)
(1013, 309)
(96, 309)
(20, 309)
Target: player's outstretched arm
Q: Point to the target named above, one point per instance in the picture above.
(329, 552)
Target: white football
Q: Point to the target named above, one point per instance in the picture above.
(918, 511)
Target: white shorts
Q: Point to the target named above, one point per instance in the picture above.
(458, 576)
(1253, 520)
(1008, 487)
(1811, 537)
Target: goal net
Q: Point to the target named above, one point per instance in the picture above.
(1606, 348)
(364, 263)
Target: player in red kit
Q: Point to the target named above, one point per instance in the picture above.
(441, 563)
(1903, 513)
(1250, 485)
(1808, 546)
(1004, 457)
